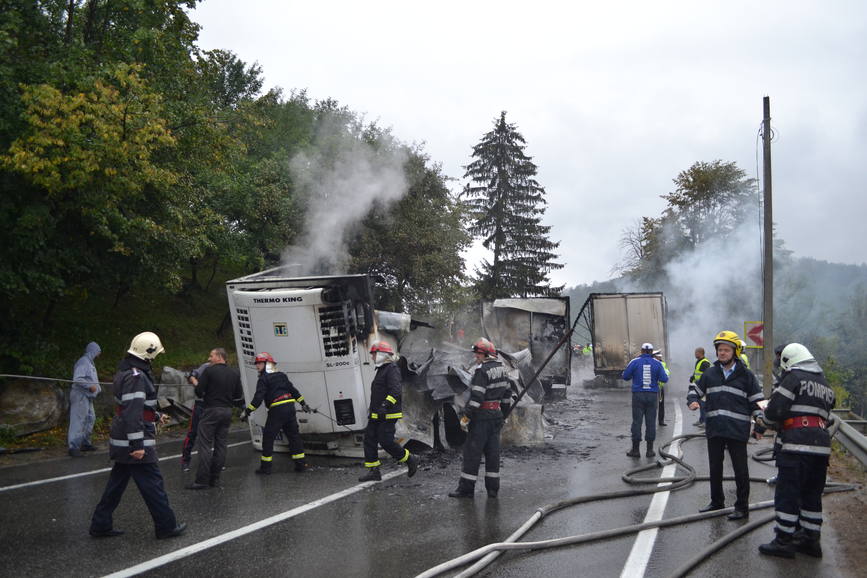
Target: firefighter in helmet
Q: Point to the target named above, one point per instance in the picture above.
(132, 446)
(490, 398)
(799, 409)
(385, 410)
(280, 397)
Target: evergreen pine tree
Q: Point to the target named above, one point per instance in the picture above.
(505, 205)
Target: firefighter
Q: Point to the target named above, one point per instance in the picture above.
(799, 409)
(132, 445)
(386, 392)
(280, 397)
(657, 355)
(701, 364)
(490, 398)
(743, 354)
(733, 395)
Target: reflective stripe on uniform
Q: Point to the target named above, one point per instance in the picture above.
(393, 415)
(405, 456)
(470, 477)
(374, 415)
(281, 402)
(784, 392)
(391, 398)
(129, 396)
(267, 458)
(727, 413)
(726, 389)
(804, 449)
(786, 516)
(492, 474)
(810, 526)
(136, 435)
(809, 409)
(375, 464)
(125, 443)
(298, 456)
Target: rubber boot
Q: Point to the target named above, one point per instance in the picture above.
(372, 475)
(781, 546)
(301, 466)
(465, 489)
(412, 465)
(635, 452)
(492, 485)
(264, 468)
(807, 542)
(650, 453)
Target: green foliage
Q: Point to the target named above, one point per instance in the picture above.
(505, 204)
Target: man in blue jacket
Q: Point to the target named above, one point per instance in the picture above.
(646, 374)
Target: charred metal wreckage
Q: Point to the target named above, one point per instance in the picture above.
(319, 330)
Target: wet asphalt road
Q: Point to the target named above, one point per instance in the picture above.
(399, 527)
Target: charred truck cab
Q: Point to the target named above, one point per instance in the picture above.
(317, 329)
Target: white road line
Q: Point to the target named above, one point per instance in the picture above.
(91, 472)
(223, 538)
(636, 564)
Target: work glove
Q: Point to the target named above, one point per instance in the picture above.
(306, 408)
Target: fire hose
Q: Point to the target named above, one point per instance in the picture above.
(482, 557)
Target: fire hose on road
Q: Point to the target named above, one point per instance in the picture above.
(482, 557)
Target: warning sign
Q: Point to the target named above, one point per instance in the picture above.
(754, 334)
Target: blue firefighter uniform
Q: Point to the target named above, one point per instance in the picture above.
(280, 397)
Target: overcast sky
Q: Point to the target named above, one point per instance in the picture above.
(613, 98)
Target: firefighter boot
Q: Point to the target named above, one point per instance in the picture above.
(650, 453)
(781, 546)
(807, 542)
(372, 475)
(492, 485)
(264, 468)
(301, 466)
(465, 489)
(634, 452)
(412, 466)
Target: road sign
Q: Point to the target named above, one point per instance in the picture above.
(754, 334)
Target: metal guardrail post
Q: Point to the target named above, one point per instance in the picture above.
(851, 439)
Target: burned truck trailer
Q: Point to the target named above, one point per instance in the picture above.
(619, 323)
(317, 329)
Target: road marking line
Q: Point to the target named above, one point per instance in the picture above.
(92, 472)
(636, 564)
(223, 538)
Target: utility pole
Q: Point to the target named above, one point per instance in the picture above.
(768, 257)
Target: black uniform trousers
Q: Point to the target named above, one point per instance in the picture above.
(212, 443)
(483, 438)
(716, 447)
(380, 432)
(798, 495)
(644, 406)
(192, 430)
(282, 417)
(150, 484)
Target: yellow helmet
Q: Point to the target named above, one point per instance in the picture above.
(729, 338)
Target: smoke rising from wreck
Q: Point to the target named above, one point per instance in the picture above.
(716, 286)
(339, 179)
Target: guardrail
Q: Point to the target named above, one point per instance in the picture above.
(852, 439)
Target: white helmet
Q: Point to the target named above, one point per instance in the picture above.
(793, 354)
(146, 346)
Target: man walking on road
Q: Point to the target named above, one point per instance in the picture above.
(219, 387)
(84, 389)
(133, 443)
(646, 374)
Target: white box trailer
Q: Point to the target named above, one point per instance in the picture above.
(619, 323)
(317, 329)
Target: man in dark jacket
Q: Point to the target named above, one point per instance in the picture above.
(280, 397)
(732, 393)
(219, 387)
(490, 398)
(799, 409)
(646, 374)
(133, 445)
(386, 393)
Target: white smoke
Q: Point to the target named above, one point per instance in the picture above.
(339, 179)
(716, 286)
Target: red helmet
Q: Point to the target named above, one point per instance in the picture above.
(382, 346)
(263, 357)
(484, 346)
